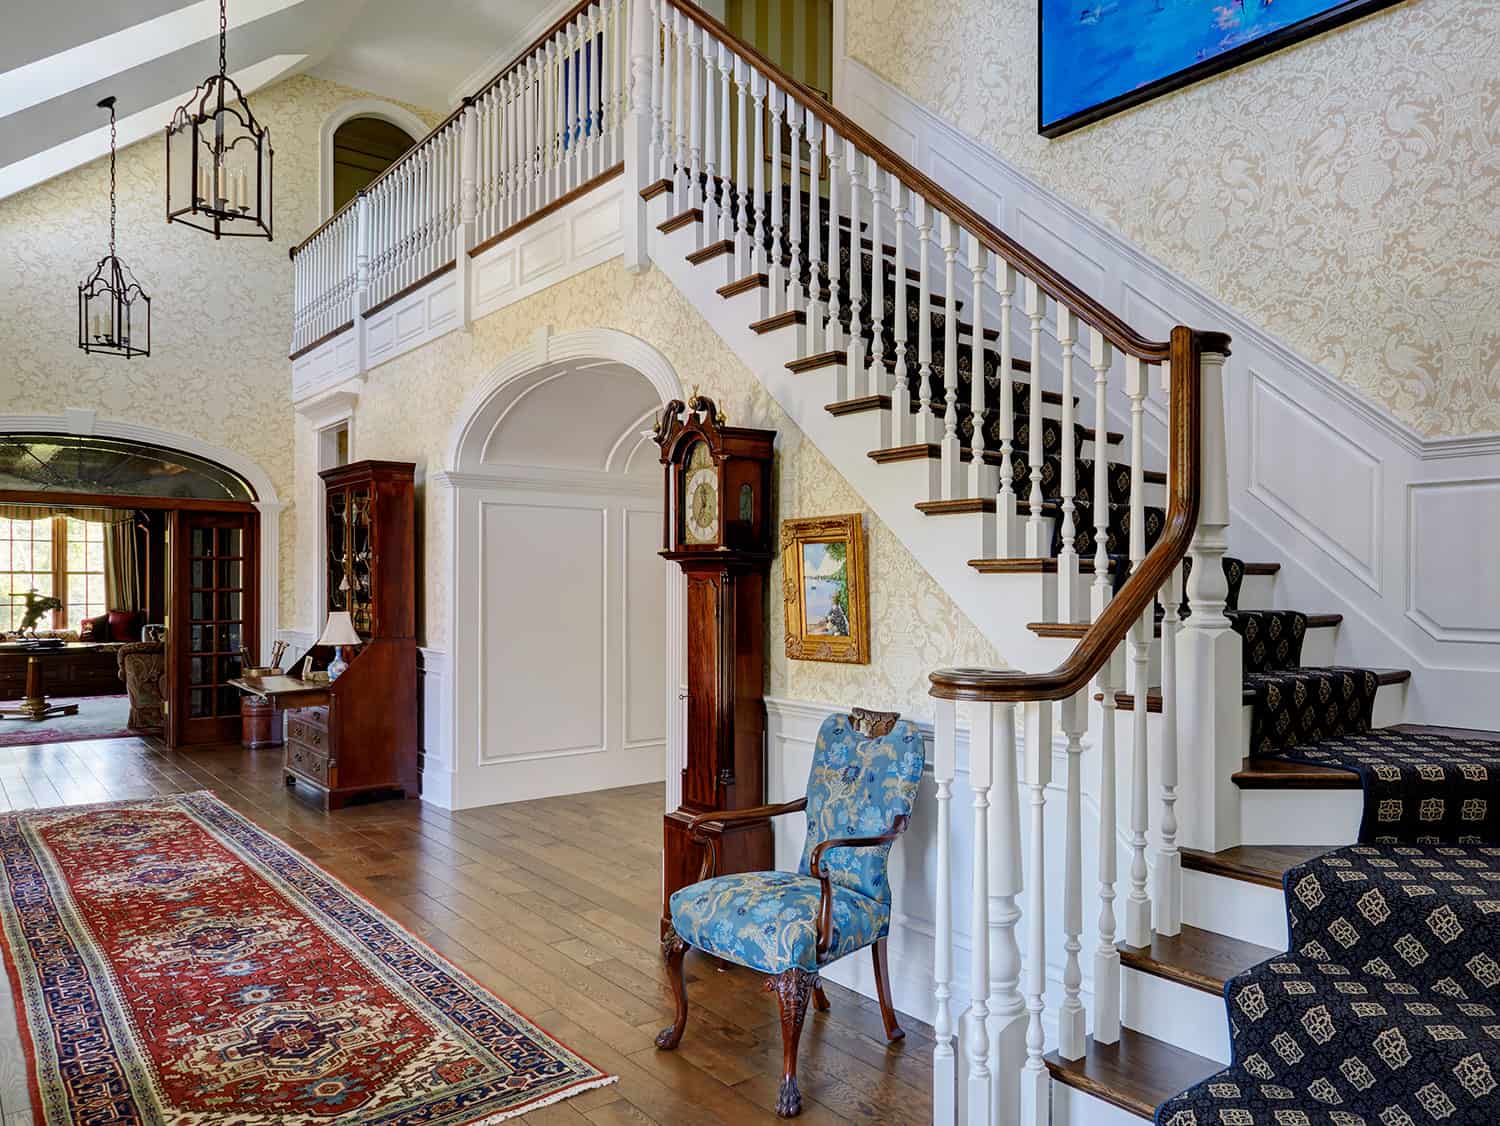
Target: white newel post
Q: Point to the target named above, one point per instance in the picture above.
(1007, 1017)
(944, 1061)
(1210, 673)
(639, 170)
(468, 207)
(979, 1095)
(362, 241)
(1035, 1083)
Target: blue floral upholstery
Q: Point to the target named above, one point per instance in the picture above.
(768, 921)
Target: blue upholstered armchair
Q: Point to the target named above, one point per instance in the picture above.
(864, 778)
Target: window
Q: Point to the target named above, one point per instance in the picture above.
(51, 555)
(25, 564)
(83, 563)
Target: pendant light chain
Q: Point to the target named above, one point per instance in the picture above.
(111, 179)
(223, 35)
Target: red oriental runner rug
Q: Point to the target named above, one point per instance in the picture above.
(173, 964)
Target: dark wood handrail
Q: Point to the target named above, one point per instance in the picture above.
(520, 58)
(1185, 467)
(1116, 331)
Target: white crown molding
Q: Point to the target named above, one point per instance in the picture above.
(1213, 312)
(502, 58)
(533, 478)
(332, 406)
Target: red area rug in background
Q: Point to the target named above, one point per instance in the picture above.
(173, 963)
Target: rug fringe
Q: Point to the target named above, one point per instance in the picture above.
(557, 1097)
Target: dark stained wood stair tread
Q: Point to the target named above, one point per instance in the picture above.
(1078, 629)
(711, 251)
(1047, 565)
(691, 215)
(1201, 959)
(744, 285)
(1137, 1074)
(1126, 702)
(1275, 774)
(1255, 864)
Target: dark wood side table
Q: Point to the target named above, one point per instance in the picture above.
(34, 707)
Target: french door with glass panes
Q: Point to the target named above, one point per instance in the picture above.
(211, 622)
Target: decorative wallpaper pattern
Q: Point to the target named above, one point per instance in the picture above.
(1341, 194)
(220, 311)
(915, 626)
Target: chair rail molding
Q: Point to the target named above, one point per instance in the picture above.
(1386, 474)
(85, 421)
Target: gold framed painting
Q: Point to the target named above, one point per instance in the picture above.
(827, 589)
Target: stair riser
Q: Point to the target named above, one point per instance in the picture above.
(1071, 1107)
(1237, 908)
(1177, 1013)
(1300, 817)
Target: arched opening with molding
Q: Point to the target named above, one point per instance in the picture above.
(360, 140)
(562, 610)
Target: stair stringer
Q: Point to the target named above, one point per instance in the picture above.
(1000, 606)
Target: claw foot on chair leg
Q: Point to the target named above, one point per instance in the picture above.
(673, 950)
(788, 1098)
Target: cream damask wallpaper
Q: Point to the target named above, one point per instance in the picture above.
(1342, 194)
(916, 627)
(220, 311)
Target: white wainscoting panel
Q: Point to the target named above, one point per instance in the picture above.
(645, 680)
(1368, 518)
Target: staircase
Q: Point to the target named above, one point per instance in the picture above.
(1065, 480)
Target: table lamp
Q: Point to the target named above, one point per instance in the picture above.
(341, 634)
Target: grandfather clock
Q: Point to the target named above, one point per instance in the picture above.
(717, 528)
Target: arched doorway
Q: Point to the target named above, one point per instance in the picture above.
(562, 610)
(361, 140)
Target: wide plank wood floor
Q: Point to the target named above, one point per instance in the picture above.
(552, 904)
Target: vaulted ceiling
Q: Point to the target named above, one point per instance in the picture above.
(59, 57)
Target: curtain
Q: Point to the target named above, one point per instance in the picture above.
(122, 577)
(43, 511)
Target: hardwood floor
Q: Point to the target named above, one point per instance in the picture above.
(553, 905)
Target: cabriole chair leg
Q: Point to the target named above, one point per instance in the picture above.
(793, 989)
(893, 1031)
(673, 950)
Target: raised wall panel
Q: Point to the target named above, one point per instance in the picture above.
(595, 226)
(645, 633)
(495, 274)
(1453, 588)
(1315, 479)
(542, 253)
(544, 631)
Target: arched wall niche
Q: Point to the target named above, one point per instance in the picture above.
(554, 506)
(389, 112)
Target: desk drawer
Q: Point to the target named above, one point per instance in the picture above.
(300, 730)
(307, 761)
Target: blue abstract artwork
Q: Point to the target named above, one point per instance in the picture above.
(1100, 56)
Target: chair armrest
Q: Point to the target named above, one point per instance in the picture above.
(815, 869)
(728, 817)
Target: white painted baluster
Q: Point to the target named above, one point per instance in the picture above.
(878, 381)
(983, 746)
(726, 157)
(1035, 1084)
(796, 295)
(981, 474)
(1007, 1020)
(594, 117)
(1036, 313)
(837, 283)
(1138, 906)
(680, 174)
(927, 422)
(817, 308)
(1073, 719)
(775, 101)
(1168, 870)
(944, 1062)
(1070, 605)
(1007, 532)
(658, 109)
(1106, 954)
(713, 200)
(1100, 356)
(953, 468)
(695, 118)
(855, 363)
(903, 425)
(742, 257)
(758, 165)
(619, 52)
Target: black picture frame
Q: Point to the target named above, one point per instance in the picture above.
(1334, 17)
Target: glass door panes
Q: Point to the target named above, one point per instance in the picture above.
(216, 605)
(338, 549)
(361, 573)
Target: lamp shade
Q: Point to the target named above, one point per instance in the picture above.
(340, 630)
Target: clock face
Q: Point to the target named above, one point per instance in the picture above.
(701, 505)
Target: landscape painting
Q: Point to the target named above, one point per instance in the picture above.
(1097, 57)
(826, 588)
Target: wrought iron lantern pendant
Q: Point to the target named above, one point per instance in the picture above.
(114, 313)
(219, 159)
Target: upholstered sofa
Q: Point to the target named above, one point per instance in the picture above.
(143, 669)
